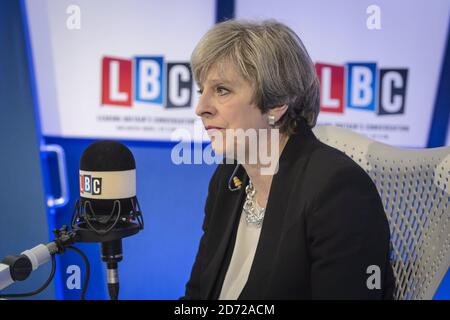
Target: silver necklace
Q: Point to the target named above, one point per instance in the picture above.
(254, 214)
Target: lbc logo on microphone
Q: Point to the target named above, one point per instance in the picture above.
(89, 184)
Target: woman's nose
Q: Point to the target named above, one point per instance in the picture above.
(205, 107)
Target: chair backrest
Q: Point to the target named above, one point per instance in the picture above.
(414, 187)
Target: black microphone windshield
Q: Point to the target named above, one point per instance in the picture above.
(107, 155)
(107, 173)
(108, 208)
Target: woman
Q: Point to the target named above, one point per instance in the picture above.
(315, 227)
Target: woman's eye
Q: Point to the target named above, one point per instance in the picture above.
(199, 91)
(222, 91)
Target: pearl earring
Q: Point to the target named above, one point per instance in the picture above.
(271, 120)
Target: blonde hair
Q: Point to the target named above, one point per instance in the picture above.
(272, 58)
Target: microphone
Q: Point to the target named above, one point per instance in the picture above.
(108, 209)
(18, 267)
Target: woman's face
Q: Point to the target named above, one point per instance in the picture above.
(225, 105)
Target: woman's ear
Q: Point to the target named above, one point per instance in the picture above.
(279, 111)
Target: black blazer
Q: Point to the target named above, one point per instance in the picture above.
(324, 226)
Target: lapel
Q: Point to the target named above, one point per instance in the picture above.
(231, 207)
(221, 231)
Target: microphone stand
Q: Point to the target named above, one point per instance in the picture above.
(111, 255)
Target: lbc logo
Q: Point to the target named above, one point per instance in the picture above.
(363, 88)
(89, 184)
(146, 80)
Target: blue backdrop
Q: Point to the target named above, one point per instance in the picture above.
(22, 211)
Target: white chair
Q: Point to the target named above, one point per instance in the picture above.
(414, 187)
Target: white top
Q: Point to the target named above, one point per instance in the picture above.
(243, 253)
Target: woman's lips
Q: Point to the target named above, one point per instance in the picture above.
(211, 128)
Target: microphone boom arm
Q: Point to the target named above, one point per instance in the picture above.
(18, 267)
